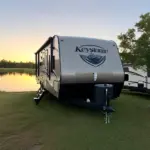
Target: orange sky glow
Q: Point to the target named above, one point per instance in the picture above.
(26, 25)
(19, 48)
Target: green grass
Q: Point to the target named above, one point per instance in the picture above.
(54, 126)
(18, 70)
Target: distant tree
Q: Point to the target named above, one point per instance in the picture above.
(136, 50)
(10, 64)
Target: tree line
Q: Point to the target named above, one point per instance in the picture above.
(135, 43)
(13, 64)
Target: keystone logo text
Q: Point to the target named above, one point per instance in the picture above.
(92, 54)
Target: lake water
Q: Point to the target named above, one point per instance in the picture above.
(16, 82)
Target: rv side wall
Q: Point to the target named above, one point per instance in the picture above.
(49, 73)
(137, 76)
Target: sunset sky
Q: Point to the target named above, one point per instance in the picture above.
(26, 24)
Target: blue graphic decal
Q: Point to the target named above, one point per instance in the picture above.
(94, 60)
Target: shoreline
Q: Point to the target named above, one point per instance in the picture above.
(18, 70)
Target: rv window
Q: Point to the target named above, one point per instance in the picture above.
(148, 73)
(53, 62)
(126, 77)
(43, 58)
(126, 69)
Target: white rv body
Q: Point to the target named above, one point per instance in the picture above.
(73, 65)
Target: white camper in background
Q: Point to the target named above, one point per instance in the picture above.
(80, 68)
(138, 79)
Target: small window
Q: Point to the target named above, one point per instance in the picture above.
(126, 69)
(148, 73)
(43, 57)
(126, 77)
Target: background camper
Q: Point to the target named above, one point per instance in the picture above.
(138, 79)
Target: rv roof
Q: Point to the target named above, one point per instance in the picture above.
(82, 37)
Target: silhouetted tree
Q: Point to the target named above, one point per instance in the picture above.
(10, 64)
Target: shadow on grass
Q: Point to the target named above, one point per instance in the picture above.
(77, 106)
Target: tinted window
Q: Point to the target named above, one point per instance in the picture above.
(148, 73)
(126, 69)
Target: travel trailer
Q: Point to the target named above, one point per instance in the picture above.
(87, 70)
(138, 79)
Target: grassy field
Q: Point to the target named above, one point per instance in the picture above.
(18, 70)
(55, 126)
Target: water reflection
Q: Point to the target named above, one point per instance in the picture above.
(12, 81)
